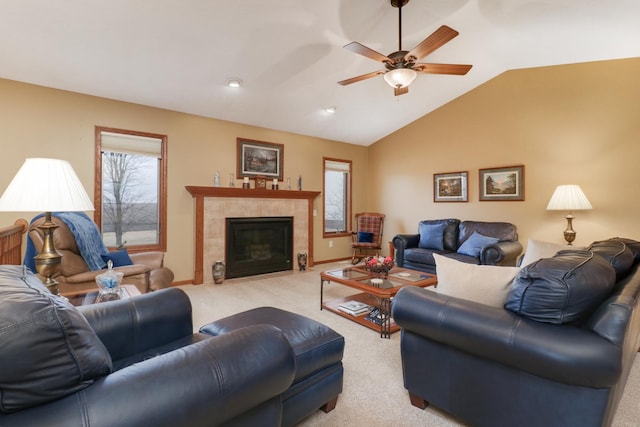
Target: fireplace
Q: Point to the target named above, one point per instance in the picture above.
(258, 245)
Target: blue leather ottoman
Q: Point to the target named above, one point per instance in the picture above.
(318, 350)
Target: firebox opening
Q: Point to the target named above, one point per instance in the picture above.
(258, 245)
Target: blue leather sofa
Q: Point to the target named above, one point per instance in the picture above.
(134, 362)
(559, 354)
(475, 242)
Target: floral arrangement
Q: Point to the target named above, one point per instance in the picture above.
(378, 264)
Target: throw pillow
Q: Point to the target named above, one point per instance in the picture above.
(562, 289)
(365, 237)
(49, 350)
(475, 243)
(486, 284)
(537, 249)
(119, 258)
(431, 235)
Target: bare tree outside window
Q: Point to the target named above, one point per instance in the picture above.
(130, 193)
(129, 199)
(337, 196)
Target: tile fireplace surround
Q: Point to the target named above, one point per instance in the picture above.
(214, 204)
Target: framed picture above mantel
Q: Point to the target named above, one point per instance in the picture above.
(259, 159)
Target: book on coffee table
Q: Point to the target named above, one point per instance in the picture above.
(354, 308)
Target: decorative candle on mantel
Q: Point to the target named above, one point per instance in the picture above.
(245, 182)
(275, 183)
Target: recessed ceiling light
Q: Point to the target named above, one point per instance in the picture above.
(330, 110)
(234, 82)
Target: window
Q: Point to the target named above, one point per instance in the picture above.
(130, 189)
(337, 197)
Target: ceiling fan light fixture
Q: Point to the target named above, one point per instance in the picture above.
(400, 77)
(234, 82)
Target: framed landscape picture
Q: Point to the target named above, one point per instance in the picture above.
(450, 187)
(259, 158)
(503, 183)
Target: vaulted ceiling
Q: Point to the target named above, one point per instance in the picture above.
(179, 54)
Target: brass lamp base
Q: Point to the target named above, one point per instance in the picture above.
(569, 234)
(48, 260)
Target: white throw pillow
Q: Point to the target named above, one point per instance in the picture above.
(486, 284)
(537, 249)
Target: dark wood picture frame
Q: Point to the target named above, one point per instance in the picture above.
(451, 187)
(502, 184)
(259, 158)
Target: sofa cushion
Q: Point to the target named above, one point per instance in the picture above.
(503, 231)
(431, 235)
(365, 237)
(486, 284)
(475, 243)
(562, 289)
(537, 249)
(616, 252)
(633, 245)
(48, 348)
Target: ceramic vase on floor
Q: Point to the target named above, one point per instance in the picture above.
(218, 270)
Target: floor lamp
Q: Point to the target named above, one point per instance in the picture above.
(569, 198)
(46, 185)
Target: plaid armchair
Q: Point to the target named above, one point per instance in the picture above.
(367, 236)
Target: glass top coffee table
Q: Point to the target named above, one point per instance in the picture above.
(93, 296)
(372, 306)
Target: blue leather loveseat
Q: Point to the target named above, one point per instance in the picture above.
(475, 242)
(557, 354)
(136, 362)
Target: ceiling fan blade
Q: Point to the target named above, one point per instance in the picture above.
(360, 78)
(397, 91)
(438, 38)
(361, 49)
(457, 69)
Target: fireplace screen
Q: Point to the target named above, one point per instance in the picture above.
(258, 245)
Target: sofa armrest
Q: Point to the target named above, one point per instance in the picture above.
(204, 384)
(501, 253)
(564, 354)
(152, 259)
(133, 325)
(90, 276)
(402, 242)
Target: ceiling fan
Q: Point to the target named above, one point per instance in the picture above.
(401, 67)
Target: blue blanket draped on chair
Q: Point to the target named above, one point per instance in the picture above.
(87, 237)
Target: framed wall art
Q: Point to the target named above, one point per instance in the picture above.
(450, 187)
(259, 158)
(503, 183)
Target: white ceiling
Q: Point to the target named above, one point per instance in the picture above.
(178, 54)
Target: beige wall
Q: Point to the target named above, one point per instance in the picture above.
(573, 124)
(43, 122)
(566, 124)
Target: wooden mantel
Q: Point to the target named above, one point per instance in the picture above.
(200, 193)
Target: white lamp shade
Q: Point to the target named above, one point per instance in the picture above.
(400, 77)
(45, 185)
(568, 198)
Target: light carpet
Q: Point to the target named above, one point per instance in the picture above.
(373, 392)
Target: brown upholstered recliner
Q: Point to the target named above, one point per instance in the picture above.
(147, 272)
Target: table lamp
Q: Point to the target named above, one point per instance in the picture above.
(46, 185)
(568, 198)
